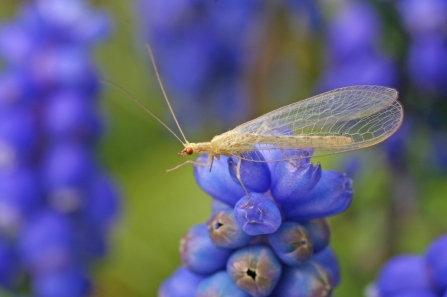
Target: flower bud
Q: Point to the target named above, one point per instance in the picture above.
(219, 284)
(293, 182)
(436, 258)
(258, 216)
(307, 280)
(182, 283)
(225, 232)
(403, 273)
(255, 269)
(328, 260)
(332, 195)
(199, 254)
(319, 232)
(291, 243)
(254, 175)
(218, 183)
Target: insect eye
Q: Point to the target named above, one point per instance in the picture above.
(189, 151)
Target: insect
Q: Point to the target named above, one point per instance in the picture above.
(341, 120)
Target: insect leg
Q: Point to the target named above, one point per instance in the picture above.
(211, 165)
(209, 162)
(238, 175)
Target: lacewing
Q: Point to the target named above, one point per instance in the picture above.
(340, 120)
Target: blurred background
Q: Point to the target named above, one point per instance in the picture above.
(222, 63)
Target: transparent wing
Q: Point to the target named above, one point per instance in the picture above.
(361, 116)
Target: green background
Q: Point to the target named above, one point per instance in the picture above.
(159, 207)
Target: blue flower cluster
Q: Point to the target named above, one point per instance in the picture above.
(426, 23)
(56, 204)
(424, 76)
(415, 275)
(426, 64)
(274, 244)
(206, 52)
(353, 56)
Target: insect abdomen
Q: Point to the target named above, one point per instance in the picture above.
(302, 141)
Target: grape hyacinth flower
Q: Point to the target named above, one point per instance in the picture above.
(425, 21)
(57, 205)
(353, 57)
(426, 64)
(204, 50)
(414, 275)
(274, 244)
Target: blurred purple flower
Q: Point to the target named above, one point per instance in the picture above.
(182, 283)
(353, 56)
(396, 147)
(8, 265)
(426, 17)
(71, 282)
(253, 237)
(218, 284)
(203, 52)
(56, 206)
(363, 68)
(427, 63)
(415, 275)
(354, 30)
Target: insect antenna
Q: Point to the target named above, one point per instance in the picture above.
(141, 105)
(163, 90)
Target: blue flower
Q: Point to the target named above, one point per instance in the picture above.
(353, 54)
(307, 280)
(327, 259)
(218, 183)
(436, 259)
(254, 175)
(319, 233)
(354, 30)
(20, 198)
(8, 265)
(70, 116)
(256, 216)
(255, 269)
(56, 205)
(332, 195)
(68, 282)
(427, 63)
(415, 275)
(219, 284)
(423, 17)
(292, 243)
(367, 67)
(182, 283)
(404, 273)
(396, 147)
(46, 243)
(16, 90)
(199, 254)
(264, 246)
(203, 52)
(274, 241)
(224, 230)
(18, 137)
(292, 182)
(16, 43)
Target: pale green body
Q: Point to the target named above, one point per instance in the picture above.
(234, 143)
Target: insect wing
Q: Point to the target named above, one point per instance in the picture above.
(341, 120)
